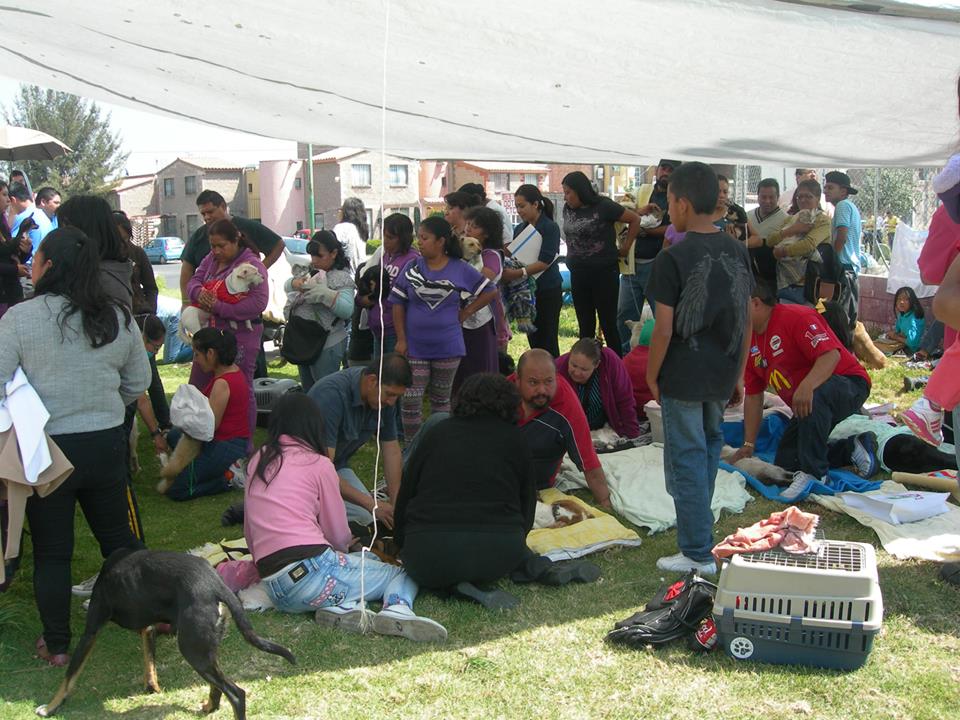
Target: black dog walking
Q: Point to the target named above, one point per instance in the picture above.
(138, 589)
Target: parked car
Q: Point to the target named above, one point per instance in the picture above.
(295, 250)
(164, 249)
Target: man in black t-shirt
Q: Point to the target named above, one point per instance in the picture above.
(213, 207)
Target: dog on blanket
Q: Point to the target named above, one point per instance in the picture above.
(767, 473)
(138, 589)
(558, 514)
(230, 290)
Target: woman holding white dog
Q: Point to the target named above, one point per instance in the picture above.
(324, 297)
(229, 248)
(215, 352)
(483, 226)
(82, 353)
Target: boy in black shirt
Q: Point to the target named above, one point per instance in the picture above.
(702, 292)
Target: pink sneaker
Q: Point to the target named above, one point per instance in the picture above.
(924, 422)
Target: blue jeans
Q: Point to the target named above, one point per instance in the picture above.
(691, 456)
(633, 290)
(332, 579)
(327, 363)
(205, 475)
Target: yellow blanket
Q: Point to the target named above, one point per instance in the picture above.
(598, 532)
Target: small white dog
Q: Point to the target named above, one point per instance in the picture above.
(237, 283)
(765, 472)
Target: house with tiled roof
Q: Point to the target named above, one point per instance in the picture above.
(179, 183)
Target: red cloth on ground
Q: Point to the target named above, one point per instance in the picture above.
(791, 529)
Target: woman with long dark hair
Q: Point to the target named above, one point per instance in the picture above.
(328, 303)
(296, 525)
(93, 216)
(536, 212)
(229, 248)
(353, 231)
(592, 252)
(82, 353)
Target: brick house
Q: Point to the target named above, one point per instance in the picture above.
(179, 183)
(136, 195)
(340, 173)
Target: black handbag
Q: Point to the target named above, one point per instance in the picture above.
(303, 340)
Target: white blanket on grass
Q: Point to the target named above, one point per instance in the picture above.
(936, 538)
(638, 491)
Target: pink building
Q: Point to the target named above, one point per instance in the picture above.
(282, 195)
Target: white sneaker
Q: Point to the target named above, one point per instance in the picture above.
(237, 474)
(800, 482)
(85, 589)
(346, 619)
(680, 563)
(401, 621)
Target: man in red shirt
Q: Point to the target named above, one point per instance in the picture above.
(795, 353)
(554, 424)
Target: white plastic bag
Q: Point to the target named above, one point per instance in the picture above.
(904, 271)
(191, 412)
(898, 508)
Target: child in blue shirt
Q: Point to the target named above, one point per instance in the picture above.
(910, 323)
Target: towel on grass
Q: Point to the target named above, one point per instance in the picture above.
(936, 538)
(638, 490)
(596, 533)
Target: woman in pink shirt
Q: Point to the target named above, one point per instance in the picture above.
(296, 526)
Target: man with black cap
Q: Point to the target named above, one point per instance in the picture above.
(649, 242)
(845, 235)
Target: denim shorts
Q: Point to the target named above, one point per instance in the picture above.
(309, 584)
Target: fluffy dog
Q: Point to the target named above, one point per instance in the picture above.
(230, 290)
(472, 249)
(767, 473)
(558, 514)
(137, 589)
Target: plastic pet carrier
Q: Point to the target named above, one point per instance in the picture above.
(268, 391)
(821, 609)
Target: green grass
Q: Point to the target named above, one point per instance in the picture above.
(546, 659)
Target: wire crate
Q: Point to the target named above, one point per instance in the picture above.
(821, 609)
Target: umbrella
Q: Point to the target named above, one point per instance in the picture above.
(17, 143)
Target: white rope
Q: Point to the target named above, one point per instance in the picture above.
(366, 618)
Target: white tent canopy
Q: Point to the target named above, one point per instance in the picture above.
(623, 81)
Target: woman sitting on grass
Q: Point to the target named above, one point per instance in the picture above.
(296, 526)
(214, 352)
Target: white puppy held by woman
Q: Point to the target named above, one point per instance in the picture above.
(237, 283)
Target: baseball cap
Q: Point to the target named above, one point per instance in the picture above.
(840, 178)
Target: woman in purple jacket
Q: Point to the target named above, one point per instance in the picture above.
(228, 249)
(603, 385)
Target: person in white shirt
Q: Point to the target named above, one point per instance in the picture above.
(353, 231)
(763, 220)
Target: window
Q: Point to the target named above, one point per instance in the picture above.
(249, 187)
(193, 222)
(501, 181)
(398, 175)
(360, 175)
(299, 224)
(168, 187)
(530, 178)
(190, 184)
(168, 225)
(402, 211)
(318, 221)
(297, 183)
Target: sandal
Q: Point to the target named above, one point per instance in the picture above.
(54, 660)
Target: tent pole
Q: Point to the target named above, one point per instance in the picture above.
(311, 202)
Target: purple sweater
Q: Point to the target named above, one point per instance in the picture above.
(301, 505)
(616, 391)
(249, 308)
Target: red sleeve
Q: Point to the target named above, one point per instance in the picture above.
(566, 403)
(753, 381)
(626, 402)
(812, 336)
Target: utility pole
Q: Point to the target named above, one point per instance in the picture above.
(310, 202)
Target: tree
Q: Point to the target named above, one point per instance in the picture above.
(896, 190)
(97, 153)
